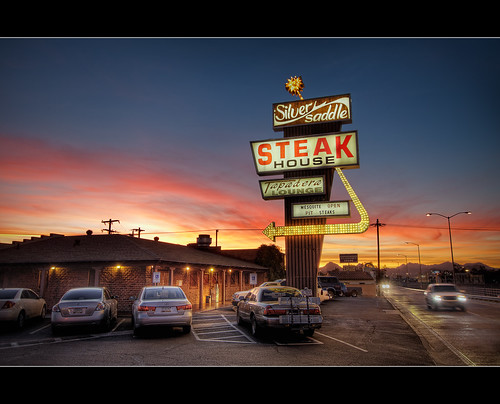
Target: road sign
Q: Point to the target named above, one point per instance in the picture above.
(348, 258)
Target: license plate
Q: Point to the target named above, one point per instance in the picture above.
(78, 310)
(163, 309)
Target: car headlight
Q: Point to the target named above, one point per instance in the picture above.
(462, 298)
(437, 298)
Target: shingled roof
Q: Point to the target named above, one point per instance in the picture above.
(58, 248)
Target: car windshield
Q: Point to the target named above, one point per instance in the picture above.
(327, 280)
(273, 294)
(163, 293)
(83, 294)
(8, 294)
(444, 288)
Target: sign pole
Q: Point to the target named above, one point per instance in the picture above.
(303, 253)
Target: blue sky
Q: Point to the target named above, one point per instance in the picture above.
(156, 132)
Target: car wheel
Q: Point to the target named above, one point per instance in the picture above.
(238, 317)
(354, 293)
(137, 331)
(106, 323)
(21, 319)
(256, 331)
(43, 313)
(309, 332)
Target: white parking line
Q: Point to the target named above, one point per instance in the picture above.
(342, 342)
(40, 329)
(211, 324)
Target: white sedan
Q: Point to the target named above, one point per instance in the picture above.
(19, 304)
(440, 295)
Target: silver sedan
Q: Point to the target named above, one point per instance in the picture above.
(162, 306)
(85, 306)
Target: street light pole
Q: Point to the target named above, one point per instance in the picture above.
(419, 263)
(449, 230)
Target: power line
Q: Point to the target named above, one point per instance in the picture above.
(110, 221)
(445, 228)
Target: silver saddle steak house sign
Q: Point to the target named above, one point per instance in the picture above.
(315, 110)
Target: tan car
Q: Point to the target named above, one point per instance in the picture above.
(19, 304)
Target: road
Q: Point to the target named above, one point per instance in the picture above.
(451, 337)
(394, 330)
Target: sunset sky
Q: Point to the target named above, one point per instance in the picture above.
(155, 132)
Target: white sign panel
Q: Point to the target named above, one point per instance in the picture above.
(156, 277)
(253, 278)
(321, 209)
(306, 153)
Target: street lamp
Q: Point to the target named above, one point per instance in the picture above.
(449, 230)
(419, 263)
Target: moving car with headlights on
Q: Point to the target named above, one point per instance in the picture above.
(440, 295)
(162, 306)
(279, 307)
(85, 307)
(19, 304)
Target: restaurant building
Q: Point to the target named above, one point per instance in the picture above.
(50, 265)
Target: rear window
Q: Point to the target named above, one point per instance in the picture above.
(8, 294)
(273, 294)
(83, 294)
(163, 293)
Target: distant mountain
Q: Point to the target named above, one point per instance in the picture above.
(414, 268)
(330, 267)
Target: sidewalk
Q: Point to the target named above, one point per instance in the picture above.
(211, 306)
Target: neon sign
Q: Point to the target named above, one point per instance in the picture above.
(302, 153)
(282, 188)
(336, 108)
(272, 231)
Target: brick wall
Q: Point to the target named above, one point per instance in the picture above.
(123, 281)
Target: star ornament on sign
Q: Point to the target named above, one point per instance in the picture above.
(295, 85)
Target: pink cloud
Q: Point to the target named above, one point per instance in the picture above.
(49, 185)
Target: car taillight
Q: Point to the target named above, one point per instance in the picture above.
(8, 304)
(270, 311)
(185, 307)
(146, 308)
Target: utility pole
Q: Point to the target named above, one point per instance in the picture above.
(110, 221)
(138, 232)
(378, 224)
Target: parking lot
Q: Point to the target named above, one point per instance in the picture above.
(362, 331)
